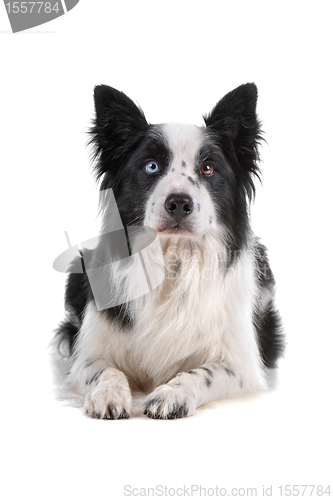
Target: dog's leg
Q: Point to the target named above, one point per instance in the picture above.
(190, 389)
(106, 390)
(93, 373)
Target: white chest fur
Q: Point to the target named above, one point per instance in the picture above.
(199, 313)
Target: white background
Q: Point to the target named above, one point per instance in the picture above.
(176, 59)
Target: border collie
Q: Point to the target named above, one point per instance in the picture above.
(208, 327)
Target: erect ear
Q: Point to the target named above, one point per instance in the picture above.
(117, 124)
(234, 121)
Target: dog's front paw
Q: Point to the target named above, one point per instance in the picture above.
(111, 399)
(170, 401)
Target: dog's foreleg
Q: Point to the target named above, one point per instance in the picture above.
(190, 389)
(106, 390)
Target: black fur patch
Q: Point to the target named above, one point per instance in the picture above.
(265, 275)
(95, 377)
(210, 373)
(112, 413)
(229, 372)
(192, 372)
(152, 402)
(177, 411)
(66, 333)
(267, 323)
(147, 409)
(194, 182)
(124, 414)
(270, 335)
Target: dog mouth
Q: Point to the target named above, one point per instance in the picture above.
(175, 228)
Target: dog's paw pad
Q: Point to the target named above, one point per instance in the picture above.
(168, 402)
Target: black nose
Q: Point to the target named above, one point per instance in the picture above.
(179, 205)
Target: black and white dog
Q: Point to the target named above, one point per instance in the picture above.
(210, 327)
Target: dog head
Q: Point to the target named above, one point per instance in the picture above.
(180, 180)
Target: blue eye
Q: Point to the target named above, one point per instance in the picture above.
(151, 168)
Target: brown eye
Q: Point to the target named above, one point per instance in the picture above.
(207, 170)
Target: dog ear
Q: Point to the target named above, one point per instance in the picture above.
(117, 125)
(235, 124)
